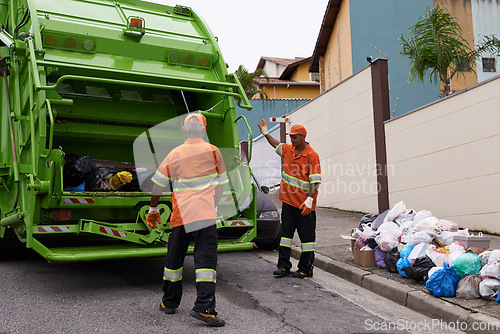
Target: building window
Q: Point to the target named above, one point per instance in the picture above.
(489, 65)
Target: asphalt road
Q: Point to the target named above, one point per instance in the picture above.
(123, 297)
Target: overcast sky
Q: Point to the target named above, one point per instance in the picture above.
(250, 29)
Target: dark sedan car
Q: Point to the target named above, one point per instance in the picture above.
(268, 220)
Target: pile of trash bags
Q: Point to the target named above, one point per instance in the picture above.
(420, 246)
(83, 174)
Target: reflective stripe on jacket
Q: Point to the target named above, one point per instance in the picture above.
(298, 173)
(195, 168)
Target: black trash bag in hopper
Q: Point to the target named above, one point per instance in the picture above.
(391, 258)
(95, 180)
(76, 170)
(419, 269)
(133, 185)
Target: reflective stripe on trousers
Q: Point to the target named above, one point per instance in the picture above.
(286, 242)
(172, 275)
(308, 246)
(205, 275)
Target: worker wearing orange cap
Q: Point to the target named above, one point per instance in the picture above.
(300, 180)
(197, 171)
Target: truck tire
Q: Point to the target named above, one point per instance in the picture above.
(7, 245)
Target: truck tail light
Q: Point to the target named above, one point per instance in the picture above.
(135, 22)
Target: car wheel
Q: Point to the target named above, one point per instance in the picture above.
(270, 245)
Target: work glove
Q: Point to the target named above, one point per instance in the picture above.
(153, 217)
(263, 128)
(306, 206)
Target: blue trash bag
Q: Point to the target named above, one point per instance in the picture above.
(498, 298)
(443, 283)
(403, 258)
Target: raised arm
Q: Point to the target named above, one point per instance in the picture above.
(270, 139)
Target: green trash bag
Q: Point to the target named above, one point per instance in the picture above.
(467, 264)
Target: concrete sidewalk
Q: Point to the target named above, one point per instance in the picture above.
(333, 254)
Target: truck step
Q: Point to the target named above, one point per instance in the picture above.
(94, 253)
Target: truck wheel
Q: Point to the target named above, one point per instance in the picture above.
(7, 245)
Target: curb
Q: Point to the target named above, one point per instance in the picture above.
(404, 295)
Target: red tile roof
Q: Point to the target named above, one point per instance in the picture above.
(276, 81)
(281, 61)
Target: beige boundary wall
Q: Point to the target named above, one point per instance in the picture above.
(445, 157)
(340, 128)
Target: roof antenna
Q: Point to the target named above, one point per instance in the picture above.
(395, 105)
(377, 49)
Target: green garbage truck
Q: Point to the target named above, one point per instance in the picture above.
(108, 83)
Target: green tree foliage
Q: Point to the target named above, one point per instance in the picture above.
(246, 80)
(436, 47)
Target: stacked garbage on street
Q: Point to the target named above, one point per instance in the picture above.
(448, 260)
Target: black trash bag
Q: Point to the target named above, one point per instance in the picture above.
(369, 218)
(391, 258)
(419, 269)
(371, 243)
(94, 181)
(132, 186)
(76, 170)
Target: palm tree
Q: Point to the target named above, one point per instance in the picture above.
(246, 80)
(435, 44)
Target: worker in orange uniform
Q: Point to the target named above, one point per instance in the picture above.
(300, 180)
(197, 171)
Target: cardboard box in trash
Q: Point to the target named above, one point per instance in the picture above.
(361, 258)
(478, 241)
(364, 258)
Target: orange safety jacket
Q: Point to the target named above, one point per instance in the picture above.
(195, 168)
(298, 173)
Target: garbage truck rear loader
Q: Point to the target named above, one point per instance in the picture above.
(108, 82)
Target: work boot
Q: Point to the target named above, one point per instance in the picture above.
(281, 272)
(300, 274)
(166, 310)
(210, 319)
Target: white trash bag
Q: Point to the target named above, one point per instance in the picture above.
(417, 252)
(456, 249)
(407, 216)
(421, 215)
(429, 223)
(437, 256)
(396, 211)
(386, 242)
(421, 236)
(490, 270)
(389, 228)
(468, 287)
(488, 288)
(443, 238)
(448, 225)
